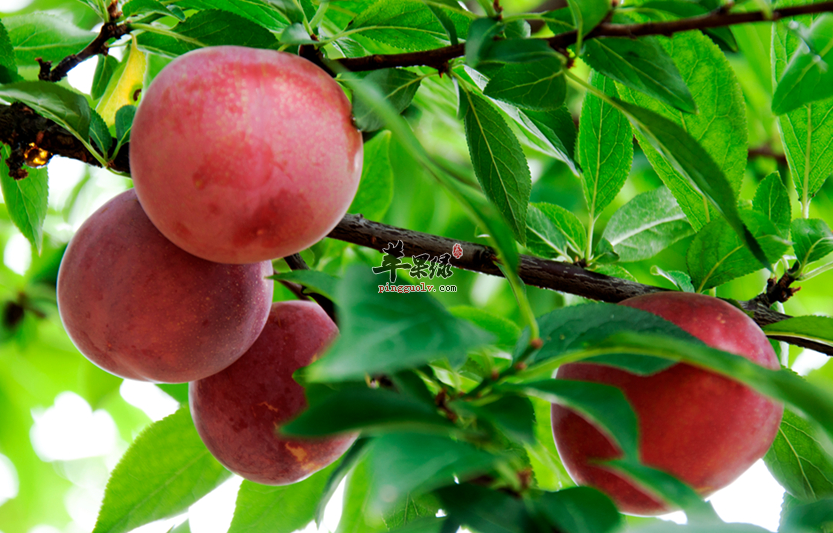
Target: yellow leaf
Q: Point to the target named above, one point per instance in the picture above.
(124, 86)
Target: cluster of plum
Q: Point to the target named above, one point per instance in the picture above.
(238, 156)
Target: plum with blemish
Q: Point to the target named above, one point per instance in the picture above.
(239, 411)
(141, 308)
(704, 428)
(240, 155)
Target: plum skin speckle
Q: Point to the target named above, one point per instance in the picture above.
(239, 411)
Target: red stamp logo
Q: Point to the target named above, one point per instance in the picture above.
(457, 251)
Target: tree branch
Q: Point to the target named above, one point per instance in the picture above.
(716, 19)
(563, 277)
(108, 31)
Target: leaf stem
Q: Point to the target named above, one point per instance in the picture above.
(816, 271)
(319, 15)
(588, 256)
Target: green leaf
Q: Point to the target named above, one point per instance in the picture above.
(587, 14)
(575, 328)
(295, 33)
(343, 467)
(807, 517)
(8, 65)
(805, 131)
(641, 64)
(283, 509)
(667, 488)
(604, 406)
(66, 107)
(407, 24)
(808, 76)
(412, 509)
(480, 39)
(207, 28)
(614, 270)
(539, 85)
(482, 509)
(313, 280)
(261, 12)
(177, 391)
(604, 149)
(552, 132)
(690, 9)
(513, 415)
(144, 7)
(580, 510)
(505, 331)
(815, 328)
(649, 223)
(374, 410)
(518, 51)
(711, 153)
(799, 461)
(499, 163)
(97, 6)
(444, 18)
(382, 333)
(26, 199)
(702, 175)
(557, 221)
(99, 133)
(399, 87)
(773, 200)
(679, 279)
(356, 516)
(406, 465)
(543, 237)
(49, 37)
(104, 70)
(604, 253)
(812, 239)
(165, 470)
(717, 254)
(124, 123)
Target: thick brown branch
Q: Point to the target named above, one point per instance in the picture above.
(430, 58)
(23, 130)
(108, 31)
(535, 271)
(717, 19)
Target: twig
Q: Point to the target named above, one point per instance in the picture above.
(766, 151)
(716, 19)
(296, 262)
(108, 31)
